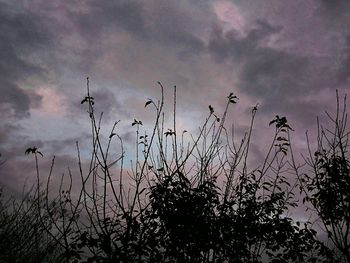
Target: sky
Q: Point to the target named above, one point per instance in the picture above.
(288, 57)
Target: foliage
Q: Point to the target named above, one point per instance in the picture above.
(327, 186)
(184, 198)
(23, 237)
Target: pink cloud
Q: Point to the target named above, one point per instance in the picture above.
(230, 16)
(52, 102)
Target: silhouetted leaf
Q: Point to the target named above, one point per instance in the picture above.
(169, 132)
(148, 102)
(136, 122)
(88, 99)
(33, 150)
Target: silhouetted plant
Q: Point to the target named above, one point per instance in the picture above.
(22, 235)
(184, 198)
(199, 222)
(327, 185)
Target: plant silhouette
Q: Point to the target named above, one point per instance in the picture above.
(33, 150)
(185, 197)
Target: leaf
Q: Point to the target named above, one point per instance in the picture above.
(255, 108)
(136, 122)
(211, 109)
(148, 102)
(29, 150)
(169, 132)
(88, 99)
(33, 150)
(231, 96)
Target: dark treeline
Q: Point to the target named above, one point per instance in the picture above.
(187, 198)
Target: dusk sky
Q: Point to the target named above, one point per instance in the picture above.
(289, 56)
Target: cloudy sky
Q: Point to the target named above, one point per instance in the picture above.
(288, 56)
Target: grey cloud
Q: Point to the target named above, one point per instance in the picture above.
(20, 173)
(15, 101)
(231, 46)
(271, 72)
(64, 146)
(163, 22)
(336, 21)
(7, 134)
(104, 101)
(335, 6)
(20, 34)
(273, 76)
(344, 67)
(128, 15)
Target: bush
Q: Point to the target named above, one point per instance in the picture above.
(191, 199)
(326, 188)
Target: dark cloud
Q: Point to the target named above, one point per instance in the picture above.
(269, 73)
(261, 64)
(278, 79)
(128, 15)
(104, 101)
(18, 174)
(344, 67)
(231, 46)
(162, 22)
(335, 6)
(15, 101)
(20, 34)
(336, 21)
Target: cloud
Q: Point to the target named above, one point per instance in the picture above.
(20, 34)
(232, 46)
(287, 55)
(264, 70)
(15, 101)
(128, 15)
(335, 6)
(344, 67)
(165, 22)
(277, 78)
